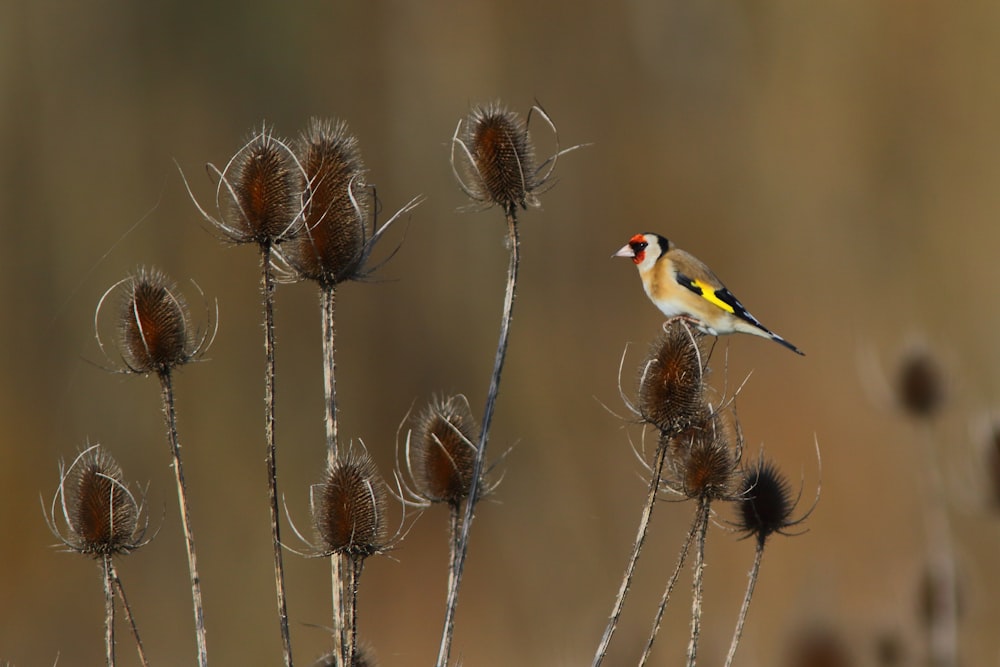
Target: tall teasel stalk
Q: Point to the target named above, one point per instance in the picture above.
(765, 506)
(155, 336)
(672, 399)
(498, 161)
(333, 247)
(259, 200)
(101, 518)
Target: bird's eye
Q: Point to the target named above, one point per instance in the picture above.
(638, 246)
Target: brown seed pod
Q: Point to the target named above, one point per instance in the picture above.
(672, 380)
(101, 515)
(349, 507)
(701, 462)
(333, 244)
(153, 324)
(442, 451)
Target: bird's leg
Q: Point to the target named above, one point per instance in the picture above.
(690, 321)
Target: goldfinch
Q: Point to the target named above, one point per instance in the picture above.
(680, 285)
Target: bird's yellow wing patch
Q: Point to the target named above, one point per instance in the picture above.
(709, 294)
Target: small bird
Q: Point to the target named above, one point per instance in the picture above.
(680, 285)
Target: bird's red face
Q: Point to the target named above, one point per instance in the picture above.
(636, 249)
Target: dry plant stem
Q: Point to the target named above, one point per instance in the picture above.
(751, 583)
(327, 304)
(328, 297)
(640, 538)
(944, 628)
(354, 567)
(128, 615)
(267, 287)
(669, 589)
(697, 587)
(109, 610)
(462, 545)
(167, 393)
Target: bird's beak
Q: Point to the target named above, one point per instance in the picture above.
(625, 252)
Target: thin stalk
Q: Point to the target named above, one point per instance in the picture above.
(337, 570)
(167, 394)
(669, 589)
(462, 546)
(751, 583)
(128, 615)
(327, 304)
(328, 297)
(267, 288)
(109, 611)
(698, 586)
(640, 538)
(356, 565)
(941, 556)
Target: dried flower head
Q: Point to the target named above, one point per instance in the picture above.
(334, 243)
(364, 656)
(349, 507)
(672, 394)
(441, 451)
(765, 502)
(153, 328)
(701, 463)
(921, 384)
(101, 515)
(499, 157)
(258, 194)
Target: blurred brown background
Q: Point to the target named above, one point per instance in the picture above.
(834, 161)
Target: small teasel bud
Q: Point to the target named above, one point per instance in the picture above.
(260, 192)
(333, 244)
(700, 461)
(921, 384)
(349, 507)
(153, 323)
(101, 515)
(765, 502)
(442, 451)
(672, 380)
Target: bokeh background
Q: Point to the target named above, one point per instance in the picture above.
(834, 161)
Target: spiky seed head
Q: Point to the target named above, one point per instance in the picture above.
(261, 193)
(701, 463)
(332, 246)
(443, 450)
(764, 502)
(102, 516)
(349, 510)
(502, 170)
(153, 326)
(672, 380)
(364, 656)
(921, 385)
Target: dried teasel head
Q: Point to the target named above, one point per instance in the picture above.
(100, 515)
(672, 385)
(701, 462)
(258, 194)
(498, 157)
(349, 507)
(765, 502)
(441, 451)
(363, 656)
(920, 384)
(334, 242)
(153, 327)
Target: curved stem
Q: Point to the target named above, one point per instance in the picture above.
(167, 392)
(640, 538)
(267, 288)
(128, 614)
(462, 545)
(751, 583)
(669, 589)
